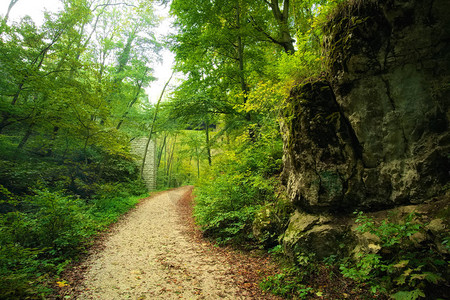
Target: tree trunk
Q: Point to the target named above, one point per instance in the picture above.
(208, 146)
(244, 86)
(170, 162)
(26, 136)
(130, 105)
(11, 4)
(240, 52)
(152, 126)
(158, 162)
(198, 164)
(52, 140)
(282, 18)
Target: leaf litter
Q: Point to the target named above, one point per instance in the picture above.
(157, 252)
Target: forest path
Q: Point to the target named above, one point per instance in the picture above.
(150, 255)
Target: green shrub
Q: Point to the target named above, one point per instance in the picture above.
(105, 211)
(402, 267)
(49, 230)
(228, 197)
(19, 270)
(290, 282)
(60, 222)
(225, 208)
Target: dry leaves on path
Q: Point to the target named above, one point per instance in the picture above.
(156, 252)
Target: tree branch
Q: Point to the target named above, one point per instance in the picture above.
(113, 4)
(11, 4)
(153, 124)
(268, 36)
(286, 10)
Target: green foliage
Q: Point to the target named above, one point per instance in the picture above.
(288, 284)
(303, 64)
(408, 295)
(107, 210)
(51, 229)
(402, 267)
(20, 271)
(236, 187)
(57, 222)
(225, 208)
(50, 208)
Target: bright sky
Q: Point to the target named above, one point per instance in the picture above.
(35, 9)
(163, 70)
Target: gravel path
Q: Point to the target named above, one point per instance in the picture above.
(149, 256)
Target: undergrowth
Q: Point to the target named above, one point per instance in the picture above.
(51, 209)
(403, 267)
(49, 231)
(237, 186)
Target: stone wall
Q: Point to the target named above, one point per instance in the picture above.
(138, 148)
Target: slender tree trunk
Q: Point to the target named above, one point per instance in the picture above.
(52, 140)
(240, 52)
(11, 4)
(170, 162)
(158, 162)
(130, 105)
(208, 146)
(244, 87)
(26, 136)
(176, 182)
(86, 143)
(198, 164)
(152, 126)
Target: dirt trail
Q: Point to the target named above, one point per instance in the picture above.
(150, 256)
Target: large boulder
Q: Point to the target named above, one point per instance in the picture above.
(327, 235)
(375, 134)
(318, 234)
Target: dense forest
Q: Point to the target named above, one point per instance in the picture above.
(73, 99)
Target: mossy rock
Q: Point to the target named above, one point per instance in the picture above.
(317, 235)
(271, 221)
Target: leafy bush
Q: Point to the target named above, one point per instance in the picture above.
(291, 281)
(19, 270)
(224, 208)
(119, 189)
(59, 222)
(402, 267)
(42, 233)
(287, 284)
(228, 197)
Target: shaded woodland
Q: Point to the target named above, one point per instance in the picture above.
(316, 131)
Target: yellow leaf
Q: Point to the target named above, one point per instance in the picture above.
(401, 264)
(62, 284)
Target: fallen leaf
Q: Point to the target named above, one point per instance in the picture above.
(62, 284)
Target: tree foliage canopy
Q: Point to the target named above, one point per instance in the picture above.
(71, 99)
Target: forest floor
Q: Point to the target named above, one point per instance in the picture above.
(157, 252)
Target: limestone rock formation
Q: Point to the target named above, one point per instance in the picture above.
(318, 234)
(375, 135)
